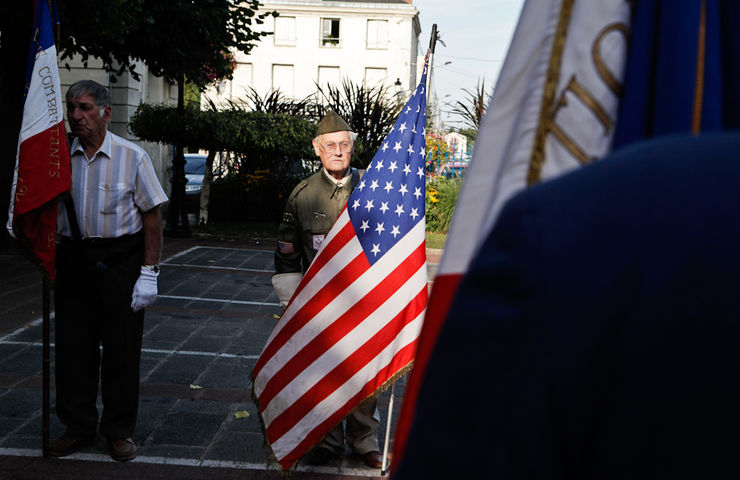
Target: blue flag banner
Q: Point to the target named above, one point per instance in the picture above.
(390, 198)
(584, 80)
(682, 70)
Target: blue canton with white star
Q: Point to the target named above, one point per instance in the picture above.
(390, 198)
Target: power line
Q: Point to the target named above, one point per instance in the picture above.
(492, 60)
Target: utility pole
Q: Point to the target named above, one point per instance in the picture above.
(434, 106)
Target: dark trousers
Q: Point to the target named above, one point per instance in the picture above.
(92, 300)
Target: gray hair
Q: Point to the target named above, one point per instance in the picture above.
(100, 94)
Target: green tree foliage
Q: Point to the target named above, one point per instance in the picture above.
(173, 37)
(437, 152)
(441, 198)
(370, 112)
(256, 134)
(470, 134)
(272, 102)
(474, 106)
(262, 154)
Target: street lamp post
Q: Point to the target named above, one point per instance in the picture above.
(177, 217)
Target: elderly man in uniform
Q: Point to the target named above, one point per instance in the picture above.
(310, 212)
(106, 274)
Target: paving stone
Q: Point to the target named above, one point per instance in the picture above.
(187, 429)
(152, 410)
(202, 343)
(7, 352)
(169, 334)
(30, 333)
(250, 424)
(228, 323)
(249, 343)
(227, 373)
(20, 403)
(180, 369)
(26, 361)
(149, 362)
(211, 337)
(8, 426)
(154, 317)
(240, 447)
(211, 407)
(250, 310)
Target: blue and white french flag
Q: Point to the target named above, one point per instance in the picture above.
(42, 171)
(581, 79)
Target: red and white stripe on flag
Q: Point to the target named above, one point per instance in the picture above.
(350, 328)
(42, 163)
(352, 325)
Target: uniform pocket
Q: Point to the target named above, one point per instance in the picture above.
(319, 227)
(111, 197)
(320, 224)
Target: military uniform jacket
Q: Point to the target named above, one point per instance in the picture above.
(310, 212)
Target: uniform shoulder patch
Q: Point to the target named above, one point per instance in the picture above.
(285, 248)
(288, 217)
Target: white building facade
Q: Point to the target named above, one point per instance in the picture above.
(458, 145)
(325, 42)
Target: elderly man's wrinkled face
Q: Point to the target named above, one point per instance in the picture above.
(86, 119)
(335, 150)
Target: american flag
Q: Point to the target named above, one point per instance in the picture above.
(351, 327)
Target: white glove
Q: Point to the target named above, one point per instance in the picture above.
(285, 285)
(145, 290)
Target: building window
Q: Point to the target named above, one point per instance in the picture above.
(242, 80)
(282, 80)
(328, 76)
(285, 31)
(329, 32)
(375, 77)
(377, 34)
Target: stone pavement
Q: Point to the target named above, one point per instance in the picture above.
(202, 337)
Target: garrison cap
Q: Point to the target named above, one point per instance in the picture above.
(332, 123)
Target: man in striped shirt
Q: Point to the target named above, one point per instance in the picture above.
(107, 268)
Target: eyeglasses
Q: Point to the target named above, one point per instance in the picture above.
(331, 147)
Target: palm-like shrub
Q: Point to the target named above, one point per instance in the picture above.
(369, 111)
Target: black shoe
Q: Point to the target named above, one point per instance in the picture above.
(373, 459)
(67, 445)
(123, 449)
(319, 456)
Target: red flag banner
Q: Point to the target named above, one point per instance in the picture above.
(351, 327)
(42, 163)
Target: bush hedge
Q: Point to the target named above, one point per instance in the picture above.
(264, 155)
(441, 198)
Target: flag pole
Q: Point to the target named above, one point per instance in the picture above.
(46, 308)
(45, 408)
(432, 44)
(384, 463)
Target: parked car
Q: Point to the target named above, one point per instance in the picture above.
(195, 170)
(454, 169)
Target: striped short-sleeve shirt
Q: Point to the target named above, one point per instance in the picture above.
(111, 189)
